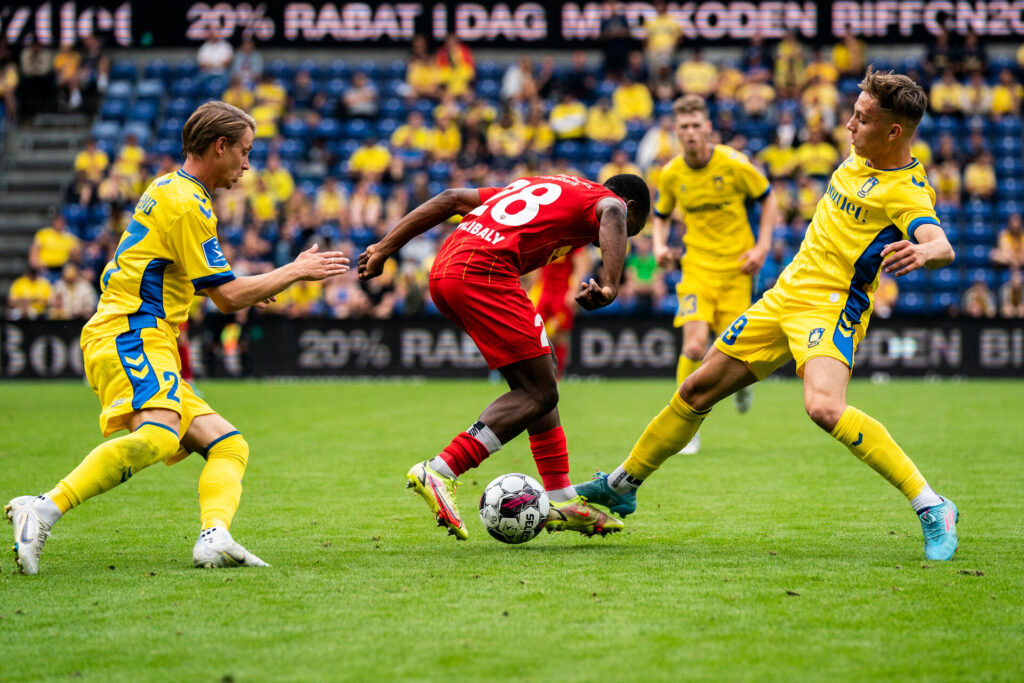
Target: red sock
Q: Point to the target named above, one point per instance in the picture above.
(186, 362)
(561, 355)
(552, 457)
(464, 453)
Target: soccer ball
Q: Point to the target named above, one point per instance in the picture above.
(514, 508)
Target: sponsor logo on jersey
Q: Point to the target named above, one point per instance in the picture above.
(706, 207)
(814, 338)
(868, 185)
(214, 254)
(845, 205)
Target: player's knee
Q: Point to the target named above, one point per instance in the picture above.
(546, 399)
(694, 350)
(695, 392)
(824, 411)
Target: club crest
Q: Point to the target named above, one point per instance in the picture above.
(718, 182)
(868, 185)
(814, 338)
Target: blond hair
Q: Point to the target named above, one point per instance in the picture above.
(690, 104)
(897, 95)
(210, 122)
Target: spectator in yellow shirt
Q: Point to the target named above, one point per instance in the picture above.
(604, 124)
(458, 68)
(848, 56)
(789, 66)
(820, 68)
(263, 202)
(507, 138)
(817, 157)
(423, 76)
(946, 181)
(370, 160)
(1006, 95)
(9, 87)
(53, 246)
(92, 160)
(447, 139)
(663, 34)
(271, 93)
(28, 296)
(980, 176)
(331, 203)
(756, 94)
(976, 96)
(1010, 247)
(696, 76)
(238, 94)
(568, 118)
(266, 116)
(946, 96)
(540, 137)
(278, 179)
(620, 163)
(413, 134)
(778, 159)
(822, 97)
(633, 102)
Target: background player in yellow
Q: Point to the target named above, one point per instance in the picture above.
(878, 212)
(168, 253)
(711, 186)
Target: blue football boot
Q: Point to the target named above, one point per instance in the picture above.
(598, 491)
(939, 526)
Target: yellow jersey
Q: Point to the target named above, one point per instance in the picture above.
(169, 251)
(713, 203)
(863, 209)
(55, 247)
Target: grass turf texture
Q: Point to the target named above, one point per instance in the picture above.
(773, 554)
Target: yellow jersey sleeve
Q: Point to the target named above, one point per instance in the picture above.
(749, 179)
(911, 204)
(193, 244)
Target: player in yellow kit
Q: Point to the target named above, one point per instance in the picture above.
(878, 212)
(168, 253)
(710, 185)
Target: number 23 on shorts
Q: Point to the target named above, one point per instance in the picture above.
(730, 335)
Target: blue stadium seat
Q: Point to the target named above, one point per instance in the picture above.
(630, 147)
(106, 130)
(338, 68)
(915, 281)
(946, 279)
(425, 107)
(280, 70)
(911, 303)
(1009, 125)
(76, 215)
(1008, 146)
(157, 68)
(259, 150)
(394, 108)
(107, 146)
(370, 68)
(635, 130)
(139, 129)
(295, 128)
(119, 90)
(336, 87)
(1010, 167)
(663, 108)
(978, 208)
(114, 110)
(488, 88)
(348, 148)
(359, 129)
(328, 129)
(292, 150)
(396, 69)
(167, 146)
(184, 87)
(439, 171)
(170, 127)
(988, 275)
(943, 301)
(149, 89)
(214, 86)
(1009, 188)
(948, 124)
(567, 149)
(124, 70)
(313, 67)
(186, 69)
(179, 108)
(1007, 207)
(488, 69)
(976, 256)
(144, 111)
(386, 127)
(597, 151)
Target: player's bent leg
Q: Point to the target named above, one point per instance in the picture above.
(695, 344)
(438, 491)
(825, 382)
(220, 491)
(153, 439)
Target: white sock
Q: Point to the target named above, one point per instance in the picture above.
(621, 482)
(482, 433)
(926, 499)
(438, 464)
(48, 510)
(562, 495)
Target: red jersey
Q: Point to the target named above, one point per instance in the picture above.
(521, 227)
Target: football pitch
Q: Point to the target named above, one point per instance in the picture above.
(772, 555)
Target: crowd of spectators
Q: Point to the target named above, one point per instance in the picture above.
(339, 165)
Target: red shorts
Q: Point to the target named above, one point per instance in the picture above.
(558, 315)
(499, 317)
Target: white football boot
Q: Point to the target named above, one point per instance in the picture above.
(32, 517)
(692, 448)
(215, 548)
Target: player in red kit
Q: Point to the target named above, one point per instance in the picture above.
(505, 233)
(556, 304)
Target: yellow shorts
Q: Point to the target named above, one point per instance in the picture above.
(138, 370)
(778, 328)
(713, 297)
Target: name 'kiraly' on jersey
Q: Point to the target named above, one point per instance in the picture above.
(168, 252)
(863, 209)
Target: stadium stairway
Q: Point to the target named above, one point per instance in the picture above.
(38, 161)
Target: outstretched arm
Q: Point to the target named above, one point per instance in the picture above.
(933, 250)
(451, 202)
(612, 241)
(247, 291)
(754, 258)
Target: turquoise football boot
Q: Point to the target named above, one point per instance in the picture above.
(598, 491)
(939, 526)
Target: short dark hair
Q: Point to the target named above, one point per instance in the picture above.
(897, 95)
(631, 186)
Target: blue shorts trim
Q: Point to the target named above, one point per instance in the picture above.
(157, 424)
(140, 372)
(206, 451)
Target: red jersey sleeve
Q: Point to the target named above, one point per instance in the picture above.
(488, 192)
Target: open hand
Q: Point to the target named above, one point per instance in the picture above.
(903, 256)
(313, 265)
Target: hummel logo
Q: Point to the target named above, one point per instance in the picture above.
(206, 212)
(919, 184)
(860, 439)
(138, 374)
(136, 362)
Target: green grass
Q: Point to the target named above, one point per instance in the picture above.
(772, 555)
